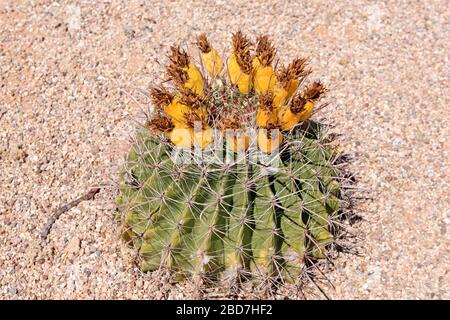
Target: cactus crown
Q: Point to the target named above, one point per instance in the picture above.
(230, 180)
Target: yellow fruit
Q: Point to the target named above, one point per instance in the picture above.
(265, 117)
(289, 119)
(204, 137)
(212, 62)
(182, 137)
(291, 87)
(195, 81)
(266, 144)
(237, 77)
(307, 111)
(176, 110)
(256, 63)
(237, 141)
(264, 78)
(280, 97)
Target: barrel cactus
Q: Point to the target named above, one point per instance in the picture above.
(229, 179)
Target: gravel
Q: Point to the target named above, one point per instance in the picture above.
(75, 76)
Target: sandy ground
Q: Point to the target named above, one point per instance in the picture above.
(74, 75)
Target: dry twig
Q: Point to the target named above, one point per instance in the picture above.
(88, 196)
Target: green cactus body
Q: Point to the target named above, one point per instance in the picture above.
(229, 221)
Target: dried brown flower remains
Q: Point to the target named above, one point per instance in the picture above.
(266, 101)
(294, 71)
(241, 48)
(203, 43)
(179, 60)
(161, 97)
(265, 51)
(314, 91)
(160, 123)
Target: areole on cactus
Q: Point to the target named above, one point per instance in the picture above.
(229, 180)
